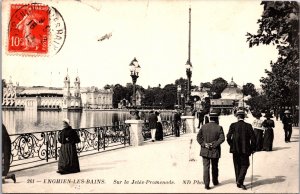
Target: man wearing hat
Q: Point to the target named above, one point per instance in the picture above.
(210, 137)
(287, 125)
(152, 124)
(241, 140)
(200, 116)
(177, 122)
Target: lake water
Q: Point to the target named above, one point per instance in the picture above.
(28, 121)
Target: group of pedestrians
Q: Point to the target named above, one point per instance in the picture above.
(263, 130)
(242, 139)
(155, 126)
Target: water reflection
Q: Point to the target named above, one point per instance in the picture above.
(34, 121)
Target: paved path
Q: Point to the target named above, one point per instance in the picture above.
(165, 167)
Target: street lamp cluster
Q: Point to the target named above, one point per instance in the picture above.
(134, 69)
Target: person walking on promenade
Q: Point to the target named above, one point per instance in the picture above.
(6, 155)
(268, 124)
(241, 140)
(258, 130)
(206, 120)
(159, 130)
(68, 160)
(210, 137)
(276, 114)
(200, 116)
(281, 114)
(287, 126)
(177, 122)
(152, 124)
(296, 118)
(142, 115)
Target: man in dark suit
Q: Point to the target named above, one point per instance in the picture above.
(287, 126)
(241, 140)
(210, 137)
(177, 122)
(200, 116)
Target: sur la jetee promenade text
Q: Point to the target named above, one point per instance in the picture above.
(115, 182)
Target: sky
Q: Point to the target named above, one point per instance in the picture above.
(156, 33)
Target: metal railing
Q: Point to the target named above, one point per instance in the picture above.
(32, 147)
(168, 128)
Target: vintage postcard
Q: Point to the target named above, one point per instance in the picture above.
(140, 96)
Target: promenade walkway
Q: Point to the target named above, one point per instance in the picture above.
(164, 167)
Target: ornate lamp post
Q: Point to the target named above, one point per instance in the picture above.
(188, 67)
(134, 68)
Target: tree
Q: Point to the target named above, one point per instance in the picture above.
(279, 25)
(259, 102)
(206, 85)
(148, 97)
(158, 96)
(217, 87)
(107, 86)
(183, 84)
(170, 94)
(119, 93)
(249, 89)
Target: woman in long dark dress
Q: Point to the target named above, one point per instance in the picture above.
(268, 124)
(68, 160)
(6, 155)
(159, 130)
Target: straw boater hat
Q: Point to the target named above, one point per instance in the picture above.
(287, 112)
(67, 121)
(268, 115)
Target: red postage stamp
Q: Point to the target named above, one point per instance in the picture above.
(29, 28)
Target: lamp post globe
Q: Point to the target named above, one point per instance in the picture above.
(178, 95)
(179, 88)
(188, 67)
(182, 101)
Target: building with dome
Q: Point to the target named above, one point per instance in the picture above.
(231, 96)
(232, 92)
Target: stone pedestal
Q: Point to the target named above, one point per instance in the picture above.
(136, 137)
(189, 124)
